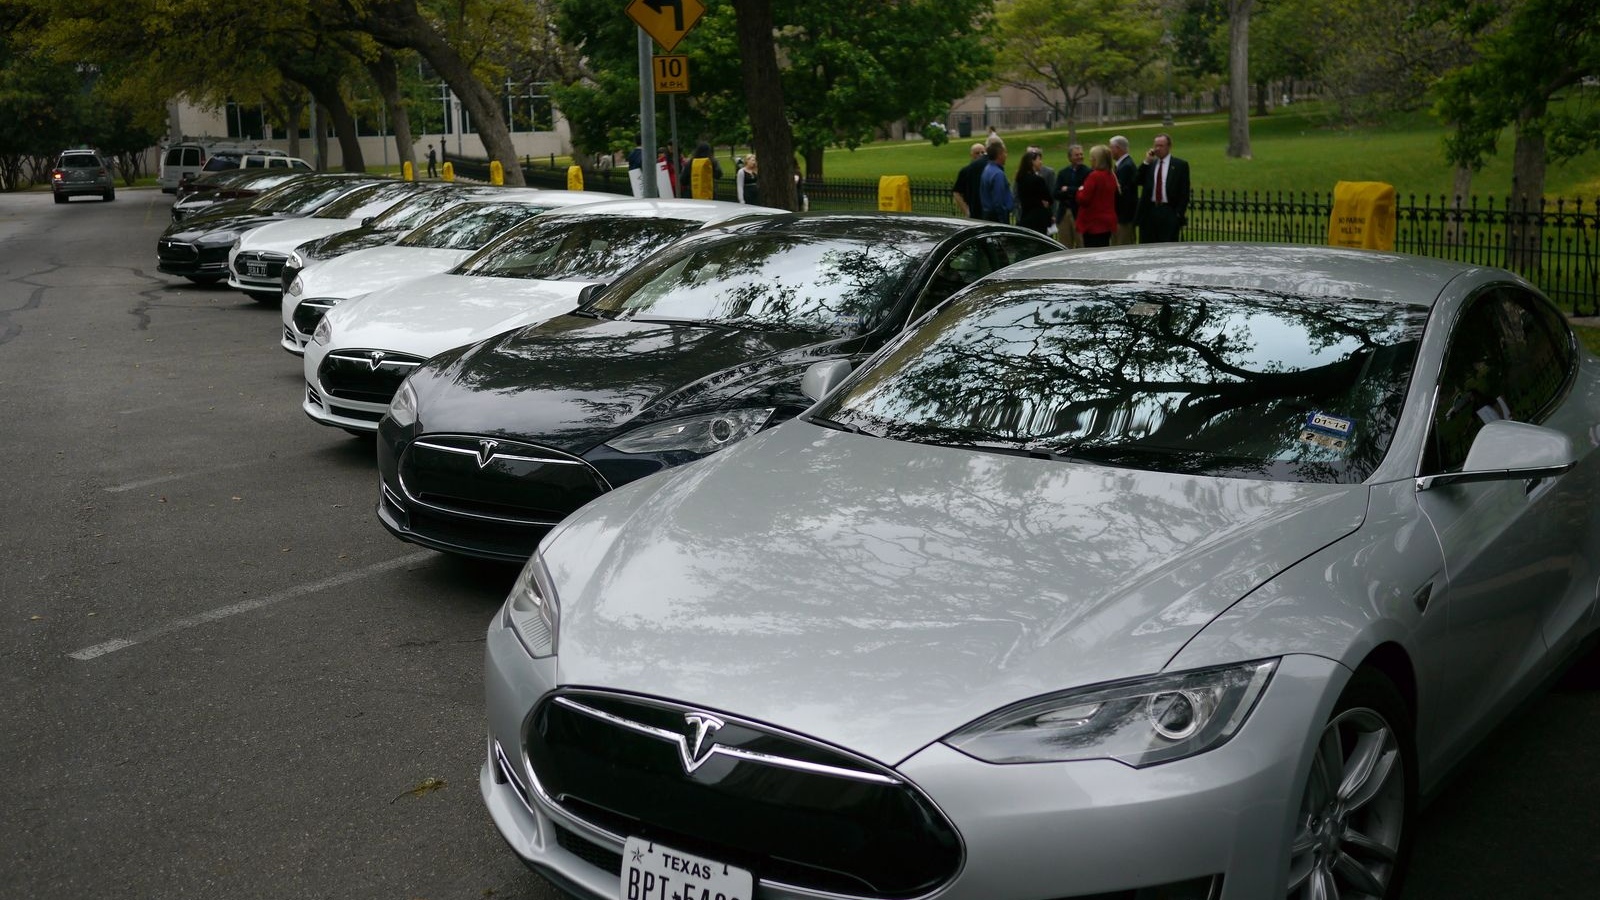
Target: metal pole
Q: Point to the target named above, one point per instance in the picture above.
(677, 149)
(647, 117)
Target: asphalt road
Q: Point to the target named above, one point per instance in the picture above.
(220, 678)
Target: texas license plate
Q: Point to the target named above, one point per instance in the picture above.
(256, 269)
(651, 871)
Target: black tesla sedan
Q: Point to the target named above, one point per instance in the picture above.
(487, 446)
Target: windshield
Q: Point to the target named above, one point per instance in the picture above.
(770, 280)
(1169, 378)
(591, 248)
(470, 225)
(419, 207)
(301, 196)
(367, 201)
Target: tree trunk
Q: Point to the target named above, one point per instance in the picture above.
(398, 24)
(292, 105)
(344, 125)
(771, 137)
(1527, 194)
(386, 75)
(1239, 78)
(813, 170)
(1263, 98)
(1460, 190)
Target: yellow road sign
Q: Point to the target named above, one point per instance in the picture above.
(672, 74)
(667, 21)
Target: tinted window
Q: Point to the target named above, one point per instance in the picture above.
(961, 268)
(80, 161)
(418, 208)
(1012, 248)
(1215, 382)
(769, 280)
(367, 201)
(301, 196)
(470, 225)
(1509, 358)
(587, 249)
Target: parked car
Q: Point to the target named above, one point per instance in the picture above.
(435, 246)
(1171, 571)
(81, 172)
(178, 160)
(203, 194)
(361, 350)
(255, 262)
(197, 247)
(277, 160)
(487, 447)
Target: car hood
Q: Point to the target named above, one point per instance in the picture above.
(284, 235)
(524, 382)
(360, 273)
(880, 595)
(195, 226)
(335, 245)
(428, 315)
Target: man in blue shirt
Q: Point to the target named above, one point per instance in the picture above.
(994, 190)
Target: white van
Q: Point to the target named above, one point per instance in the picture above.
(179, 160)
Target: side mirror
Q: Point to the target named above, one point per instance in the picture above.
(590, 292)
(367, 221)
(1510, 451)
(821, 378)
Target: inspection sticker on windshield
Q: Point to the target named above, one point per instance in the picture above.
(1328, 432)
(1142, 308)
(849, 320)
(651, 871)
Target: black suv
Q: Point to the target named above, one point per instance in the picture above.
(81, 172)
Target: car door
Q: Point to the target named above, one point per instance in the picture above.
(1509, 558)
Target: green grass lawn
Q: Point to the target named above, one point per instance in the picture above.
(1293, 149)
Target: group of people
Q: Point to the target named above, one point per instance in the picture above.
(746, 177)
(1108, 201)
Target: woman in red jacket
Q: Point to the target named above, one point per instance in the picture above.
(1097, 200)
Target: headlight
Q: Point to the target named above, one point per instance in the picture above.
(1140, 722)
(698, 434)
(214, 238)
(532, 611)
(324, 332)
(295, 287)
(403, 408)
(296, 260)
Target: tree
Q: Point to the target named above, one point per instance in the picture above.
(769, 128)
(1059, 50)
(1239, 78)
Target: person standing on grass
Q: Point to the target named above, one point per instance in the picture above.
(1096, 219)
(965, 191)
(994, 191)
(1128, 200)
(1033, 193)
(744, 182)
(1163, 193)
(1067, 184)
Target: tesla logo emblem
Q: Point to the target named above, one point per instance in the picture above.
(697, 749)
(376, 359)
(486, 452)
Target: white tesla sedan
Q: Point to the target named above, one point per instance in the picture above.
(434, 246)
(362, 350)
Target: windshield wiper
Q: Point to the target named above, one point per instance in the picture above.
(837, 425)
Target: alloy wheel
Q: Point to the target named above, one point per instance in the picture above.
(1347, 835)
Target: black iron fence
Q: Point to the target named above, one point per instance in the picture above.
(1553, 243)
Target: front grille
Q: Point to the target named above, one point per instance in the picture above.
(480, 536)
(176, 251)
(308, 314)
(258, 264)
(497, 478)
(366, 376)
(792, 811)
(350, 412)
(588, 851)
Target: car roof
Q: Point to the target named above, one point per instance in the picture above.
(1306, 271)
(707, 211)
(885, 226)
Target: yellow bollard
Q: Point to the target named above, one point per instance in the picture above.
(448, 172)
(574, 178)
(702, 179)
(894, 193)
(407, 173)
(497, 172)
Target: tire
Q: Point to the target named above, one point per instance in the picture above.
(1353, 831)
(109, 195)
(204, 279)
(60, 198)
(265, 299)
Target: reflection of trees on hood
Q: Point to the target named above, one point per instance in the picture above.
(1196, 374)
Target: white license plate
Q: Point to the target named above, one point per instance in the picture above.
(256, 269)
(651, 871)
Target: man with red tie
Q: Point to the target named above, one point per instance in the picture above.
(1163, 193)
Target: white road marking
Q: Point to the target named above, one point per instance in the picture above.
(223, 612)
(162, 479)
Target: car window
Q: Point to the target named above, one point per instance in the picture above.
(964, 266)
(80, 161)
(585, 249)
(1230, 383)
(470, 225)
(1509, 358)
(1014, 248)
(367, 201)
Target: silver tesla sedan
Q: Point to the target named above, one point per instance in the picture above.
(1172, 571)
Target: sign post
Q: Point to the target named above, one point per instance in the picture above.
(666, 22)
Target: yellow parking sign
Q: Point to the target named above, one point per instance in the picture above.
(672, 74)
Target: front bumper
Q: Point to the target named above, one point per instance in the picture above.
(256, 272)
(191, 260)
(1062, 830)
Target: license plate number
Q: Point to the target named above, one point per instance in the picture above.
(651, 871)
(257, 269)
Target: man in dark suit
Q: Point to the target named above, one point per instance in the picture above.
(1127, 191)
(1163, 193)
(965, 191)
